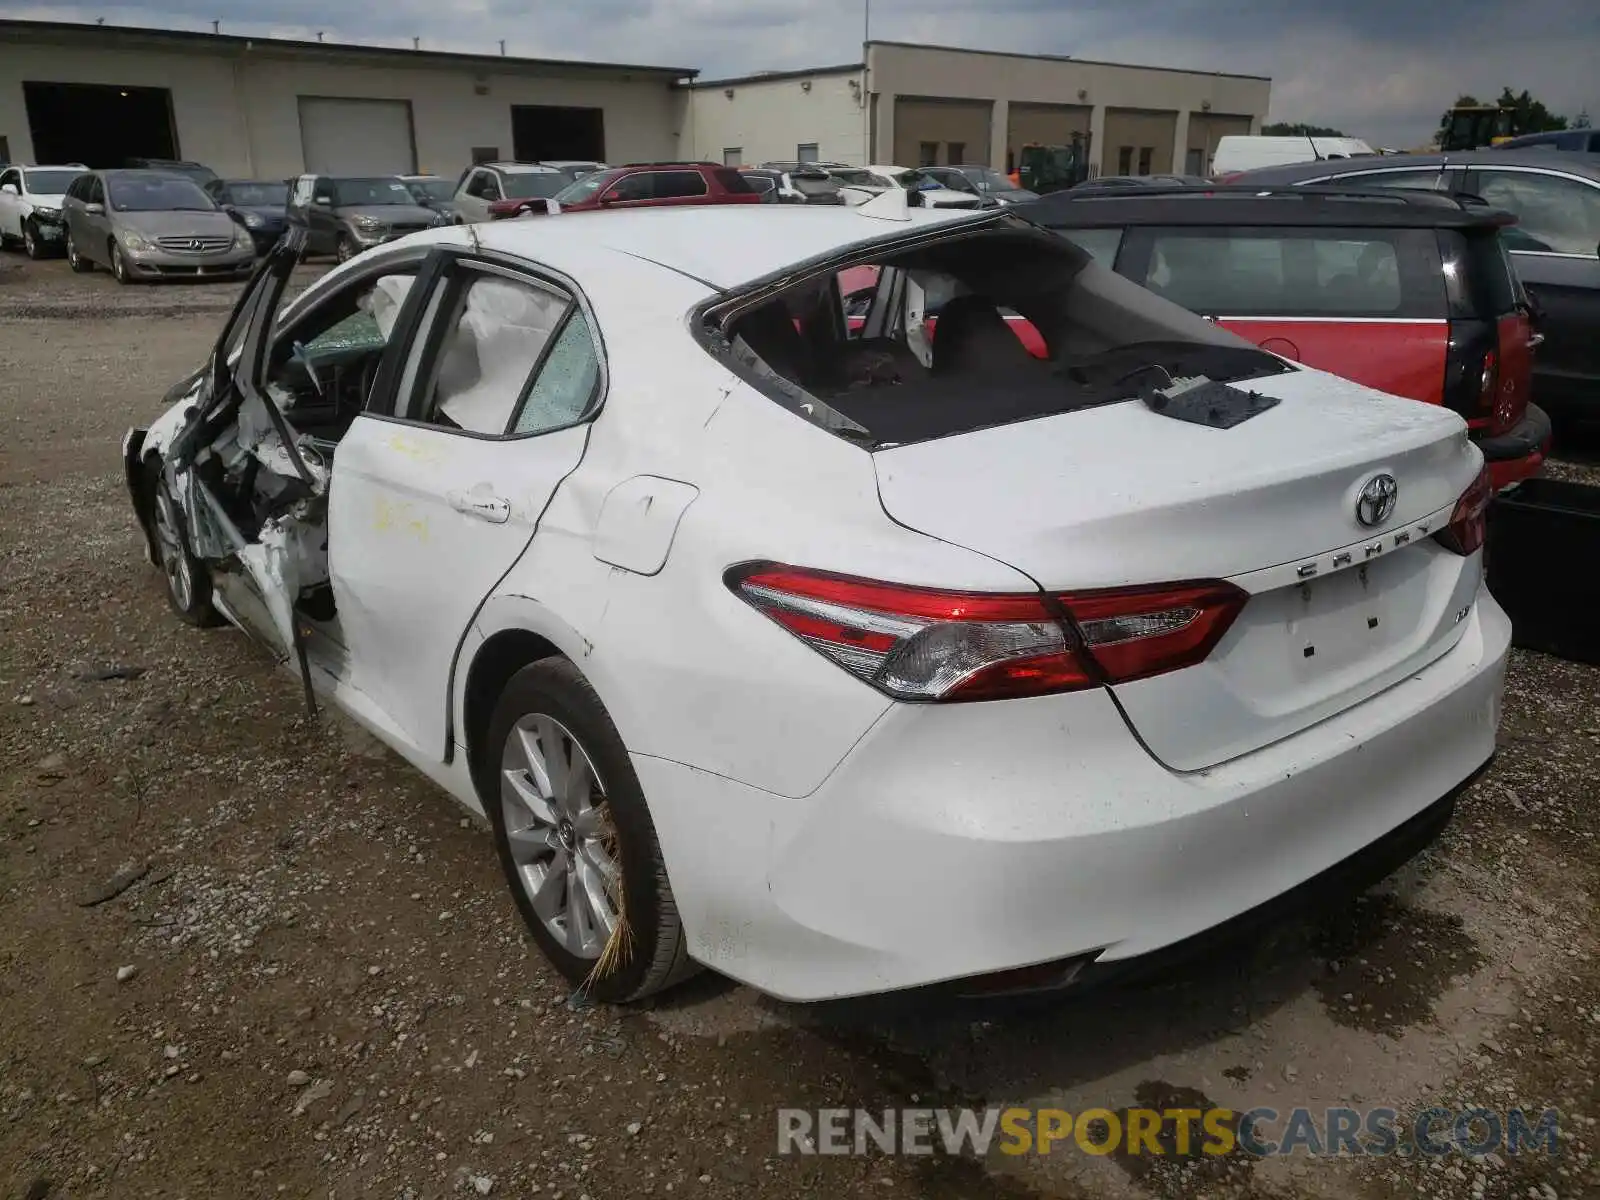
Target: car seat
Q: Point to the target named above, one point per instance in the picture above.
(973, 337)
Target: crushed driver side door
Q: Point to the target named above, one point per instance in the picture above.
(253, 503)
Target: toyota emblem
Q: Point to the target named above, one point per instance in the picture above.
(1376, 502)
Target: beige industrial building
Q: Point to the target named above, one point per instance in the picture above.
(272, 108)
(268, 108)
(925, 105)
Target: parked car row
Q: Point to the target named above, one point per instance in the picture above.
(150, 223)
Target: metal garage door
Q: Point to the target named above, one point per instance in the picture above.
(357, 137)
(929, 132)
(1044, 124)
(1138, 141)
(1205, 131)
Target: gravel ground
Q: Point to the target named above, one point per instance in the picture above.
(312, 981)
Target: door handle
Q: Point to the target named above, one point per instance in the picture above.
(1535, 340)
(494, 509)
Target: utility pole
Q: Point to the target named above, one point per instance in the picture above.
(866, 90)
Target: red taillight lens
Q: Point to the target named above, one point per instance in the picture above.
(924, 644)
(1469, 520)
(1137, 632)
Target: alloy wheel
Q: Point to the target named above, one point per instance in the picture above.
(30, 244)
(555, 810)
(169, 544)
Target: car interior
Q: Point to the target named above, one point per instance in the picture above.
(890, 376)
(505, 357)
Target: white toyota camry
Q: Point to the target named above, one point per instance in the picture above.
(1018, 629)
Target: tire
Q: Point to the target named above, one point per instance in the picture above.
(76, 261)
(345, 250)
(188, 583)
(119, 265)
(32, 244)
(563, 718)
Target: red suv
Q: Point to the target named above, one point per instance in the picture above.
(646, 185)
(1408, 292)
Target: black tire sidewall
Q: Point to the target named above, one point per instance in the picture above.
(30, 241)
(555, 688)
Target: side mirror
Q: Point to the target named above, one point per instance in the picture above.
(94, 210)
(9, 189)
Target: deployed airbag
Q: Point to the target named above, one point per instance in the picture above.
(502, 329)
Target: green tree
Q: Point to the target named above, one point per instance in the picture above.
(1299, 129)
(1528, 115)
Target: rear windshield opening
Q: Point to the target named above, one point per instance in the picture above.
(981, 328)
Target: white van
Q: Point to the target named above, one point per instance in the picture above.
(1237, 152)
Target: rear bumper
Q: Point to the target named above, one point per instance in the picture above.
(1519, 453)
(963, 840)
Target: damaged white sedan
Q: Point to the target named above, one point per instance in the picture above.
(839, 653)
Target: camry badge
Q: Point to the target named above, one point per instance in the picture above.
(1376, 502)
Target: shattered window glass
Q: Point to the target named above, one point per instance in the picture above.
(357, 330)
(565, 383)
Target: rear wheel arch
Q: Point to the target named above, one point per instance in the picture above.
(500, 657)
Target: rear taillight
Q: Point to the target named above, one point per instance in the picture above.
(1134, 633)
(1465, 532)
(923, 644)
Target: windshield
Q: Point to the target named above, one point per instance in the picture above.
(989, 180)
(814, 185)
(431, 189)
(260, 195)
(531, 185)
(352, 192)
(584, 189)
(50, 183)
(855, 177)
(156, 193)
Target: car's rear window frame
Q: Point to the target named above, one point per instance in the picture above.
(712, 323)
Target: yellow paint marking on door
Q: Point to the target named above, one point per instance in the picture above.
(413, 448)
(392, 517)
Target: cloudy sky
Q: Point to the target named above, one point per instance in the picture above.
(1382, 69)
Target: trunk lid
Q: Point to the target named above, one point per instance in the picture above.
(1120, 495)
